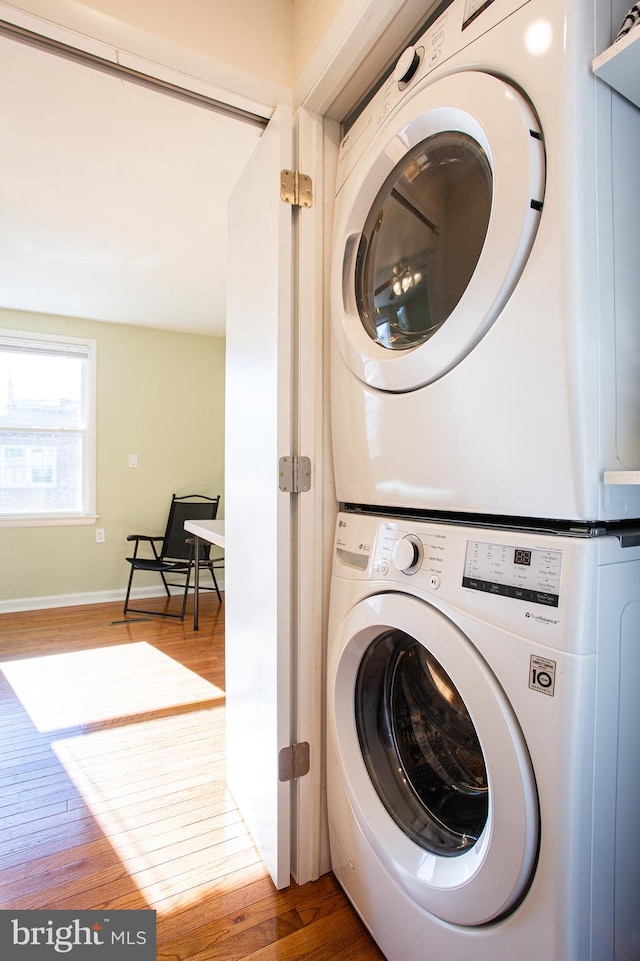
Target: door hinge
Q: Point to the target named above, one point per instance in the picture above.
(293, 761)
(296, 188)
(294, 474)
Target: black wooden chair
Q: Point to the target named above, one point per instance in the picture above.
(175, 555)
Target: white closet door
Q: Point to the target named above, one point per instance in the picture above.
(258, 515)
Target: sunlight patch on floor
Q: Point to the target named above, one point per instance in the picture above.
(170, 819)
(87, 687)
(141, 737)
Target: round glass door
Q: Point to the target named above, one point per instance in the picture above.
(432, 759)
(420, 746)
(422, 240)
(433, 227)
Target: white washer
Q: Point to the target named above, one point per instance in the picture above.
(485, 337)
(483, 757)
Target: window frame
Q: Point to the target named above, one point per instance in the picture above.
(43, 341)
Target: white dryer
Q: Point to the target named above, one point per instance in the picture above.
(485, 336)
(483, 755)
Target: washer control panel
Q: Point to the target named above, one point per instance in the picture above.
(400, 551)
(408, 553)
(532, 584)
(439, 555)
(525, 573)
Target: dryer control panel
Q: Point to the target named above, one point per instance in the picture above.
(462, 22)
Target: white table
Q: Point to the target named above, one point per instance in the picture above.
(213, 532)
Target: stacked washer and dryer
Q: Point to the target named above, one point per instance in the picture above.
(483, 761)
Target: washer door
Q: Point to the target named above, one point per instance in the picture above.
(433, 759)
(433, 229)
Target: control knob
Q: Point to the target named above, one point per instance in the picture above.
(407, 554)
(408, 63)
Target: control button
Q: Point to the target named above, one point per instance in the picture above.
(384, 568)
(407, 554)
(434, 582)
(407, 64)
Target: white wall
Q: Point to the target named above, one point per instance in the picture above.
(271, 39)
(253, 35)
(311, 21)
(160, 395)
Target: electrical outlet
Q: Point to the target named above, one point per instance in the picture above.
(133, 460)
(99, 535)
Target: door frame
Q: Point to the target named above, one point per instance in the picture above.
(363, 38)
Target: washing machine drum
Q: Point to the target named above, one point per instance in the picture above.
(434, 761)
(434, 226)
(420, 746)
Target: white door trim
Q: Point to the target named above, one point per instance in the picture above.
(363, 38)
(365, 34)
(116, 42)
(316, 150)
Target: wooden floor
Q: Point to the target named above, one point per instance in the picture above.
(112, 790)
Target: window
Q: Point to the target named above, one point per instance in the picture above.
(47, 429)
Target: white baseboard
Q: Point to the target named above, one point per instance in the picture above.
(76, 600)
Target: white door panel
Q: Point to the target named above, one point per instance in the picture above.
(257, 514)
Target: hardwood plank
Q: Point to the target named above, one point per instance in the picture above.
(240, 929)
(339, 935)
(240, 892)
(82, 825)
(181, 858)
(113, 794)
(162, 841)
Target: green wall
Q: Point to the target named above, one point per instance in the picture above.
(160, 395)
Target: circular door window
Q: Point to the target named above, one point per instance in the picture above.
(420, 746)
(433, 228)
(433, 759)
(422, 240)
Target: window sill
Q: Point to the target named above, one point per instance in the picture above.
(47, 520)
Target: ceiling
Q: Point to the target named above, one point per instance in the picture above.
(113, 196)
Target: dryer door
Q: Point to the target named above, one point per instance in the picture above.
(433, 229)
(434, 760)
